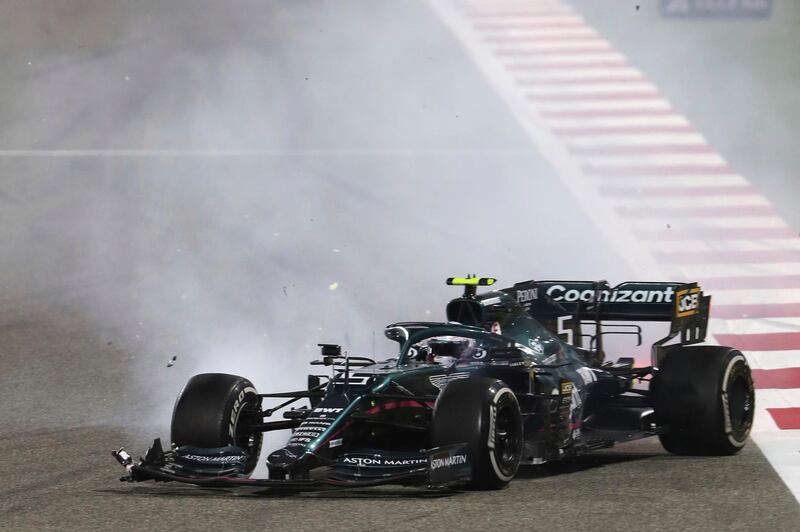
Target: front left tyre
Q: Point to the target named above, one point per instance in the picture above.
(217, 410)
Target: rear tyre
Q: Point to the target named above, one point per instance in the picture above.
(705, 397)
(217, 410)
(484, 414)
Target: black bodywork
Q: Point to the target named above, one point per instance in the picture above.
(370, 422)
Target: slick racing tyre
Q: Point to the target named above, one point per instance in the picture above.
(484, 414)
(704, 396)
(217, 410)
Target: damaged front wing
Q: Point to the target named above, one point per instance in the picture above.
(223, 468)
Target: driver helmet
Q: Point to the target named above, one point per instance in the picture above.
(447, 350)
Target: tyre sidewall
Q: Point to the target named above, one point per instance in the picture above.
(466, 412)
(737, 370)
(209, 410)
(501, 397)
(691, 397)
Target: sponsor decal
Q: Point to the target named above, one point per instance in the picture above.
(327, 410)
(479, 354)
(309, 433)
(587, 375)
(448, 461)
(335, 443)
(377, 461)
(213, 459)
(440, 381)
(354, 379)
(576, 402)
(318, 421)
(536, 346)
(528, 295)
(237, 405)
(687, 302)
(450, 465)
(492, 418)
(566, 393)
(559, 292)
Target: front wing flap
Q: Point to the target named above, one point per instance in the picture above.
(446, 466)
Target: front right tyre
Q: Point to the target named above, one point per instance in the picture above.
(484, 414)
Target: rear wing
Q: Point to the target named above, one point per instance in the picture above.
(683, 305)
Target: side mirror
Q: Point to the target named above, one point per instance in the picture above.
(398, 334)
(330, 350)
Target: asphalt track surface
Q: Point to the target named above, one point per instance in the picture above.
(382, 168)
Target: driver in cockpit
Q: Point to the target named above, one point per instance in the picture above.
(449, 350)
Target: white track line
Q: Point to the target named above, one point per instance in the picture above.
(756, 326)
(579, 74)
(539, 20)
(727, 245)
(211, 153)
(616, 121)
(660, 159)
(773, 398)
(539, 33)
(545, 46)
(609, 105)
(678, 181)
(697, 201)
(762, 296)
(781, 449)
(591, 89)
(773, 359)
(699, 271)
(639, 139)
(725, 223)
(537, 59)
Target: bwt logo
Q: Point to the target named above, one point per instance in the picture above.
(716, 8)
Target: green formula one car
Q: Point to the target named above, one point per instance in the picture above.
(512, 378)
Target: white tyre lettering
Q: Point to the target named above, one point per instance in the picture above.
(492, 409)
